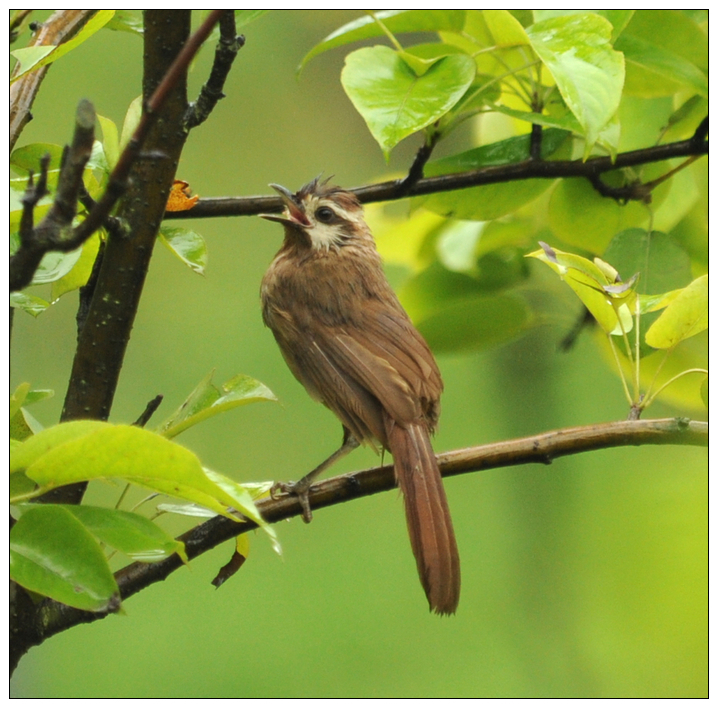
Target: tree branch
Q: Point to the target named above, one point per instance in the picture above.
(494, 174)
(542, 448)
(115, 299)
(54, 232)
(227, 47)
(50, 234)
(59, 28)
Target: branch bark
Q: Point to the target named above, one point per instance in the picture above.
(494, 174)
(60, 27)
(120, 281)
(542, 448)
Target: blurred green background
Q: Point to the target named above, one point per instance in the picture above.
(583, 578)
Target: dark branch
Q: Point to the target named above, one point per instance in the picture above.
(543, 448)
(536, 140)
(699, 137)
(416, 171)
(528, 169)
(151, 407)
(227, 47)
(61, 26)
(49, 234)
(54, 232)
(117, 183)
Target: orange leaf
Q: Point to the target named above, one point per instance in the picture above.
(180, 199)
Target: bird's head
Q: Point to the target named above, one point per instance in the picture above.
(320, 217)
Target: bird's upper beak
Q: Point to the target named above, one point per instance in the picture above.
(293, 212)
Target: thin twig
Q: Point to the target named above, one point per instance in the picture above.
(227, 47)
(536, 140)
(54, 232)
(416, 171)
(151, 407)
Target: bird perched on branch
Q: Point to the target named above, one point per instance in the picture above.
(350, 343)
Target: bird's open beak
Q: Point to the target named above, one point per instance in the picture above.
(293, 212)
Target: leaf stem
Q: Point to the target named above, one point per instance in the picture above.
(649, 400)
(620, 371)
(386, 31)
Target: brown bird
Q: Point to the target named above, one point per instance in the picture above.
(349, 342)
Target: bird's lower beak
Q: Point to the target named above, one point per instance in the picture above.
(293, 213)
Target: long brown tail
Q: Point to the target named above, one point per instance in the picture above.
(427, 515)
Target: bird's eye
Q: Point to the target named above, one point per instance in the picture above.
(324, 214)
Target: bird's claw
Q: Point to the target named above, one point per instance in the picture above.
(300, 490)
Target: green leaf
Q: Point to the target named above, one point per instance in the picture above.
(28, 57)
(132, 534)
(244, 17)
(127, 21)
(27, 158)
(679, 34)
(581, 217)
(661, 262)
(187, 245)
(244, 502)
(132, 120)
(393, 100)
(653, 303)
(475, 323)
(55, 265)
(493, 200)
(18, 398)
(405, 241)
(207, 401)
(505, 28)
(39, 394)
(589, 73)
(110, 140)
(433, 289)
(193, 510)
(396, 21)
(31, 304)
(652, 70)
(95, 23)
(53, 554)
(130, 453)
(80, 273)
(685, 317)
(20, 485)
(34, 448)
(23, 425)
(704, 391)
(619, 19)
(596, 286)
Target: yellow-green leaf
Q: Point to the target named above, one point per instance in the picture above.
(685, 317)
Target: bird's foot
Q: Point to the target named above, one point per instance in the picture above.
(298, 489)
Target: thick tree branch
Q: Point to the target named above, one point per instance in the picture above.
(528, 169)
(542, 448)
(120, 280)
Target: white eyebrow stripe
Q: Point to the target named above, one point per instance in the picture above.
(334, 235)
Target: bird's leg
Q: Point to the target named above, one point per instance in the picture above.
(301, 488)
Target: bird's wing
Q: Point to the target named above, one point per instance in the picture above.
(386, 355)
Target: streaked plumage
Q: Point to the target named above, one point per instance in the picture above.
(347, 339)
